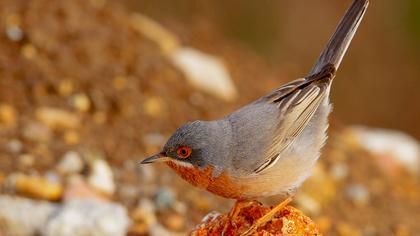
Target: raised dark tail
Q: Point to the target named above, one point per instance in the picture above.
(340, 41)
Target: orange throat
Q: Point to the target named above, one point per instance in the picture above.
(221, 185)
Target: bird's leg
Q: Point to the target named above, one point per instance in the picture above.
(234, 212)
(267, 217)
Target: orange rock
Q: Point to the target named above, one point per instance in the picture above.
(38, 187)
(288, 221)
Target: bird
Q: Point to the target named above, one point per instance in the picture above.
(269, 146)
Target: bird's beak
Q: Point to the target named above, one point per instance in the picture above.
(160, 157)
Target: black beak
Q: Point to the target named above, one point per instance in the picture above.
(160, 157)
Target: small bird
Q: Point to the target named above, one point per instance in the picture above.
(269, 146)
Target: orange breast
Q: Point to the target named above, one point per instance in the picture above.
(221, 185)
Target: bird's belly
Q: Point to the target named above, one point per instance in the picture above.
(226, 186)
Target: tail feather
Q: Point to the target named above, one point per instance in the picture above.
(340, 41)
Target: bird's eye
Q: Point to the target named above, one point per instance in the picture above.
(184, 152)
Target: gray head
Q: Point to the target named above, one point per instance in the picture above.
(193, 144)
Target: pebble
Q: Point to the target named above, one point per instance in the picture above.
(145, 212)
(8, 115)
(153, 106)
(29, 51)
(57, 118)
(174, 222)
(14, 33)
(359, 194)
(101, 176)
(14, 146)
(70, 163)
(391, 148)
(26, 160)
(22, 216)
(339, 171)
(164, 198)
(65, 87)
(37, 132)
(77, 188)
(37, 187)
(71, 137)
(88, 217)
(205, 72)
(81, 102)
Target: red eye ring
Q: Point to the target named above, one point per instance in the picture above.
(184, 152)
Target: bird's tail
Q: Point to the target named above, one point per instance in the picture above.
(340, 41)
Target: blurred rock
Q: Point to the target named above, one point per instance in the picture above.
(13, 28)
(339, 171)
(71, 137)
(205, 72)
(308, 204)
(87, 217)
(164, 198)
(174, 222)
(70, 163)
(81, 102)
(37, 132)
(37, 187)
(23, 217)
(26, 160)
(101, 176)
(77, 188)
(14, 146)
(65, 87)
(288, 221)
(391, 148)
(347, 230)
(358, 193)
(159, 230)
(8, 115)
(145, 213)
(153, 106)
(57, 118)
(29, 51)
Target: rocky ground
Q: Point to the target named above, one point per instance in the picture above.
(85, 95)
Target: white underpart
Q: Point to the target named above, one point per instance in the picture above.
(182, 163)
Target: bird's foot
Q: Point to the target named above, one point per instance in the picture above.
(267, 217)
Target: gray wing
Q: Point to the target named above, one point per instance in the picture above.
(297, 102)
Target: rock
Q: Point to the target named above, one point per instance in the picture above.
(347, 230)
(358, 193)
(65, 87)
(390, 148)
(101, 176)
(145, 213)
(339, 171)
(56, 118)
(29, 51)
(288, 221)
(37, 187)
(8, 115)
(21, 216)
(26, 160)
(81, 102)
(205, 72)
(71, 137)
(153, 106)
(77, 188)
(87, 217)
(164, 198)
(14, 146)
(174, 222)
(70, 163)
(37, 132)
(308, 204)
(14, 31)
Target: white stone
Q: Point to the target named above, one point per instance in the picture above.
(101, 176)
(70, 163)
(21, 216)
(205, 72)
(401, 147)
(90, 218)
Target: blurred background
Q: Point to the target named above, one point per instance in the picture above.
(90, 88)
